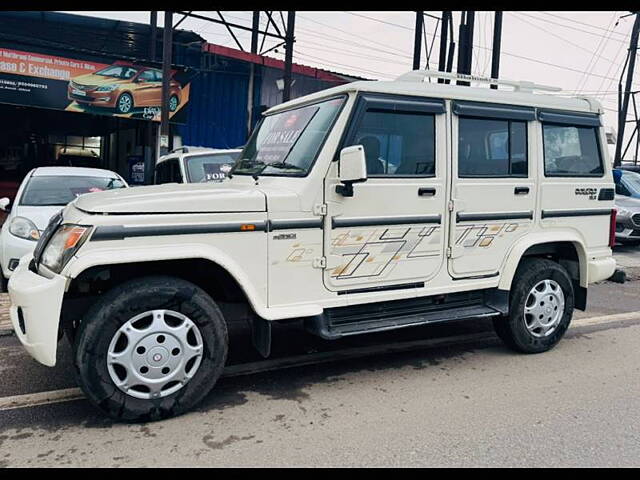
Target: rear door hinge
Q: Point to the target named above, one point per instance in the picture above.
(320, 262)
(450, 205)
(320, 209)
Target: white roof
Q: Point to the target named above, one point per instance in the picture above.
(452, 91)
(73, 171)
(197, 151)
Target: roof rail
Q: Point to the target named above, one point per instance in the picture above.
(420, 75)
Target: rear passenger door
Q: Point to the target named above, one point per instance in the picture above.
(493, 185)
(389, 234)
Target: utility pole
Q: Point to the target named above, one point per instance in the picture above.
(166, 74)
(623, 102)
(150, 154)
(417, 43)
(288, 56)
(444, 33)
(255, 27)
(497, 40)
(465, 53)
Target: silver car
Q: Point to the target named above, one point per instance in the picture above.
(627, 205)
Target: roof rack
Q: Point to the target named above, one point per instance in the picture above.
(420, 75)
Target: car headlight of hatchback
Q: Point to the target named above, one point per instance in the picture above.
(24, 228)
(107, 88)
(63, 245)
(623, 212)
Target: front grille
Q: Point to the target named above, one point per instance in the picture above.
(636, 219)
(82, 87)
(86, 98)
(635, 233)
(55, 221)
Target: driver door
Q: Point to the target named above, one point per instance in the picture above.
(389, 235)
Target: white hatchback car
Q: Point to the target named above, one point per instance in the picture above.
(42, 194)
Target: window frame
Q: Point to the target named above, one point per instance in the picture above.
(596, 130)
(509, 121)
(387, 103)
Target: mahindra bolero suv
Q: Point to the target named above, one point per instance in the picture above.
(361, 208)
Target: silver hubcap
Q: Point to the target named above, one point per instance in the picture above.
(125, 103)
(173, 103)
(544, 308)
(155, 354)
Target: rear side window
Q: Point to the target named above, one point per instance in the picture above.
(168, 172)
(492, 148)
(571, 151)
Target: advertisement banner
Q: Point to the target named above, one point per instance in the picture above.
(121, 88)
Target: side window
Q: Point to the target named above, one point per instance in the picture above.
(148, 76)
(492, 148)
(397, 143)
(571, 151)
(168, 172)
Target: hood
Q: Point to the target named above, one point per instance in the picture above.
(39, 215)
(175, 198)
(97, 80)
(630, 203)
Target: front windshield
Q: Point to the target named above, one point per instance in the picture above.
(631, 180)
(60, 190)
(286, 143)
(117, 72)
(211, 167)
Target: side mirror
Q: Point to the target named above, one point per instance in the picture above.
(4, 203)
(353, 169)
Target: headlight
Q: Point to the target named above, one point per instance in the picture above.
(63, 245)
(107, 88)
(24, 228)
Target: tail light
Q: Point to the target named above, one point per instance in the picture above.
(612, 228)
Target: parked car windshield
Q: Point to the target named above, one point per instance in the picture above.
(287, 143)
(60, 190)
(117, 72)
(627, 183)
(210, 167)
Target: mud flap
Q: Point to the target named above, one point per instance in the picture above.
(261, 336)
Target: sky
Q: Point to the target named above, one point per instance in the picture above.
(581, 52)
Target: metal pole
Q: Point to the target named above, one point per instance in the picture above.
(288, 58)
(166, 72)
(254, 50)
(497, 39)
(471, 15)
(442, 62)
(150, 154)
(462, 49)
(622, 118)
(417, 42)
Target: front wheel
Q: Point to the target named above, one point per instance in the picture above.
(124, 103)
(150, 349)
(540, 309)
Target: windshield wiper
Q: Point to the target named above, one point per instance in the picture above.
(283, 165)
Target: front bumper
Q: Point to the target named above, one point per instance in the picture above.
(14, 247)
(36, 303)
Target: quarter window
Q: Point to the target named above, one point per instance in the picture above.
(397, 143)
(571, 151)
(492, 148)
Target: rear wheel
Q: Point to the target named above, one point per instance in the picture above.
(151, 348)
(541, 307)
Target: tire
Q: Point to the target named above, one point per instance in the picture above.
(124, 104)
(174, 101)
(95, 342)
(516, 330)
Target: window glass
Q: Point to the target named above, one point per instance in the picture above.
(148, 76)
(492, 148)
(571, 151)
(209, 168)
(60, 190)
(630, 182)
(286, 143)
(168, 172)
(397, 143)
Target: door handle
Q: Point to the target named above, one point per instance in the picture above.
(426, 192)
(521, 191)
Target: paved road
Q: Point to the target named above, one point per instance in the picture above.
(466, 404)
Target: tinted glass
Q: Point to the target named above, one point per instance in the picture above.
(492, 148)
(209, 168)
(630, 181)
(147, 75)
(571, 151)
(60, 190)
(286, 143)
(397, 143)
(168, 172)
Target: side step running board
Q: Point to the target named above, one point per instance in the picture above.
(377, 317)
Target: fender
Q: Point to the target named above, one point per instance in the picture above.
(512, 259)
(256, 293)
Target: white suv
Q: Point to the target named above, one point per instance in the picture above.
(362, 208)
(195, 165)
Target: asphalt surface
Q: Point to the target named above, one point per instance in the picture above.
(473, 404)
